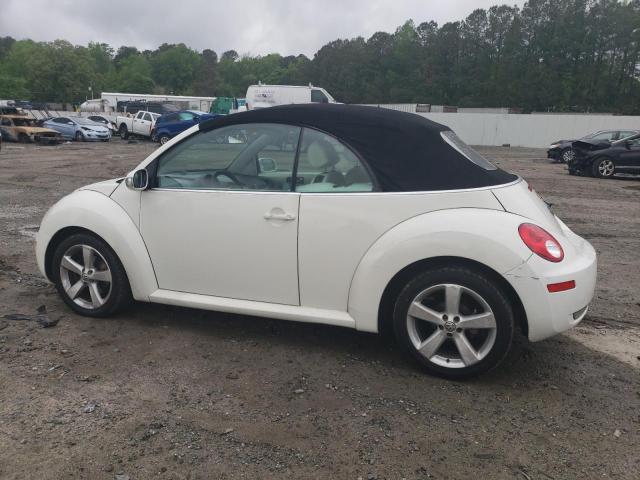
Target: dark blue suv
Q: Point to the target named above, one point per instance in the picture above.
(171, 124)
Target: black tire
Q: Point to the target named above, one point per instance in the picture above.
(599, 170)
(164, 138)
(79, 137)
(119, 296)
(473, 281)
(24, 138)
(124, 132)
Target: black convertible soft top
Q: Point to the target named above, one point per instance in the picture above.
(406, 152)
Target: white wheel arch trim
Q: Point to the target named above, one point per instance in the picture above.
(101, 215)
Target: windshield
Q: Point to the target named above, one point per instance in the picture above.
(84, 121)
(23, 122)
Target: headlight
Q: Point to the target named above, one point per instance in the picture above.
(87, 129)
(555, 145)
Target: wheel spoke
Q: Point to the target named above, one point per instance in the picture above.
(75, 289)
(70, 264)
(468, 354)
(87, 256)
(417, 310)
(96, 298)
(102, 276)
(452, 298)
(481, 320)
(430, 346)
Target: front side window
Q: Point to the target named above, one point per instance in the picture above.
(603, 136)
(147, 117)
(186, 116)
(318, 96)
(237, 157)
(327, 166)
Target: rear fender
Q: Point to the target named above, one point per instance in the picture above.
(488, 237)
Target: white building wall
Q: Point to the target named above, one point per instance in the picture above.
(521, 130)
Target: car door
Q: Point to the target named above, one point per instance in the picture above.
(138, 123)
(629, 157)
(216, 224)
(65, 126)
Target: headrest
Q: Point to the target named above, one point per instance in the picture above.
(321, 154)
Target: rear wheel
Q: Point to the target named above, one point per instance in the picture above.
(603, 167)
(454, 321)
(90, 277)
(124, 132)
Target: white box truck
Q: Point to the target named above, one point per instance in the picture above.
(263, 96)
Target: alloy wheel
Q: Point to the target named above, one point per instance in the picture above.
(568, 155)
(451, 325)
(606, 168)
(85, 276)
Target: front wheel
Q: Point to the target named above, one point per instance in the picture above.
(124, 132)
(90, 277)
(79, 137)
(603, 168)
(567, 155)
(164, 138)
(454, 321)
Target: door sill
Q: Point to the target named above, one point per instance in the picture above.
(248, 307)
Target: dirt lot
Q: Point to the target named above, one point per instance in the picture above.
(167, 392)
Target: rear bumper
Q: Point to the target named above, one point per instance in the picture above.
(551, 313)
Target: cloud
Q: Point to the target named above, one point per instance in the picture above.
(258, 27)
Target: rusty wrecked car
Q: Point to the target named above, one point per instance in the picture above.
(20, 128)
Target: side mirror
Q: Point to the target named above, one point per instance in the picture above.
(267, 165)
(628, 144)
(139, 180)
(70, 123)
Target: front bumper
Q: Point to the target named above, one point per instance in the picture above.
(96, 136)
(554, 153)
(551, 313)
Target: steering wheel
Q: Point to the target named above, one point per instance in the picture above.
(230, 176)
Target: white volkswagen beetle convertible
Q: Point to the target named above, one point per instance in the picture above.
(353, 216)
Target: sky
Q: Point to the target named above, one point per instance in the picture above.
(288, 27)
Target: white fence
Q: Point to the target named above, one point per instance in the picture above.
(524, 130)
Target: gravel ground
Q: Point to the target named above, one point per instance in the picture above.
(163, 392)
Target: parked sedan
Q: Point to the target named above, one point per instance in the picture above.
(561, 151)
(604, 159)
(352, 216)
(79, 129)
(171, 124)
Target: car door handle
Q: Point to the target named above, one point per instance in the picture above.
(285, 217)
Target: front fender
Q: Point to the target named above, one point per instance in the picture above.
(96, 212)
(489, 237)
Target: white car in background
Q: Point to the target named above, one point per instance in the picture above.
(352, 216)
(263, 96)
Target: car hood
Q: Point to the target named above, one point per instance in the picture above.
(95, 128)
(590, 145)
(106, 187)
(34, 130)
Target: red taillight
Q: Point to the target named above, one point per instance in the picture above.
(561, 287)
(541, 242)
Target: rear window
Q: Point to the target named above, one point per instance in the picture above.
(466, 151)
